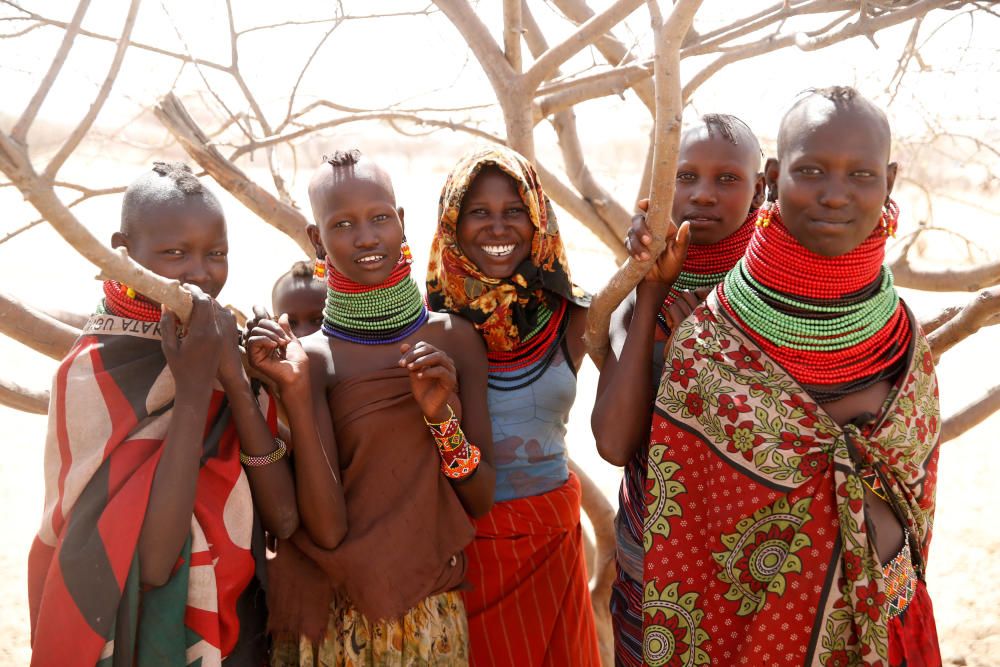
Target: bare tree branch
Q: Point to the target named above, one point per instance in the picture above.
(102, 95)
(547, 63)
(85, 194)
(668, 36)
(971, 415)
(866, 27)
(187, 58)
(975, 314)
(963, 279)
(512, 30)
(611, 213)
(575, 91)
(174, 116)
(21, 398)
(613, 51)
(34, 328)
(20, 131)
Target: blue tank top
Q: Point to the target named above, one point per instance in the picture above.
(529, 427)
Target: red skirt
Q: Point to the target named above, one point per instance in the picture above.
(913, 640)
(530, 602)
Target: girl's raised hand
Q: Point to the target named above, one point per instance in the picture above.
(433, 379)
(668, 264)
(274, 351)
(193, 356)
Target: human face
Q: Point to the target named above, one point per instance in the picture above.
(358, 227)
(833, 178)
(302, 299)
(184, 241)
(717, 182)
(494, 227)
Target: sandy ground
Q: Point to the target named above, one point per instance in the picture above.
(964, 573)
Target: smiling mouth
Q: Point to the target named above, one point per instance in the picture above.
(369, 259)
(701, 218)
(498, 250)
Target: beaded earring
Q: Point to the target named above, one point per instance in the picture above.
(319, 268)
(405, 255)
(890, 218)
(767, 208)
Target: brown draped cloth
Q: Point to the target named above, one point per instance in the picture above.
(406, 527)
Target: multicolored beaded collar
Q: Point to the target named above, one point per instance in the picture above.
(518, 368)
(706, 265)
(835, 323)
(373, 314)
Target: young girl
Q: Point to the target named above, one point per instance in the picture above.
(719, 189)
(301, 294)
(793, 451)
(497, 259)
(145, 551)
(396, 396)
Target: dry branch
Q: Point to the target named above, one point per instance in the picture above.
(971, 415)
(21, 398)
(963, 279)
(175, 117)
(20, 131)
(35, 329)
(977, 313)
(668, 36)
(84, 125)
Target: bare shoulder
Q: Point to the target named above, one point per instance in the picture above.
(318, 347)
(457, 336)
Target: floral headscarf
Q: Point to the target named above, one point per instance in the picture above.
(504, 310)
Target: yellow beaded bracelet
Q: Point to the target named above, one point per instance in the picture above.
(259, 461)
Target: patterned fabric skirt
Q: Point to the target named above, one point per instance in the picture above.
(626, 619)
(432, 633)
(913, 640)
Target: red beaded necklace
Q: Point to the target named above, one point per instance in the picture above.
(532, 350)
(776, 261)
(706, 264)
(122, 301)
(339, 282)
(711, 258)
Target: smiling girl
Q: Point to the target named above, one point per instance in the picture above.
(497, 259)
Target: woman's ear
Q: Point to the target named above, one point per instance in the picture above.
(119, 240)
(401, 213)
(890, 178)
(759, 192)
(771, 170)
(312, 231)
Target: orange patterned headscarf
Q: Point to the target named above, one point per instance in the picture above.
(504, 310)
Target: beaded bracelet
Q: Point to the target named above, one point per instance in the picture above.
(459, 457)
(259, 461)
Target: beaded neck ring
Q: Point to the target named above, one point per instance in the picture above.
(518, 368)
(122, 301)
(373, 314)
(836, 324)
(706, 265)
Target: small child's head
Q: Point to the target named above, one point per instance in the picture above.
(357, 223)
(718, 177)
(302, 297)
(832, 173)
(495, 230)
(174, 226)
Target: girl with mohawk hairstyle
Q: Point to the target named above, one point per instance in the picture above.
(146, 554)
(393, 399)
(719, 189)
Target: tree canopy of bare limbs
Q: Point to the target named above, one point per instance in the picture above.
(538, 75)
